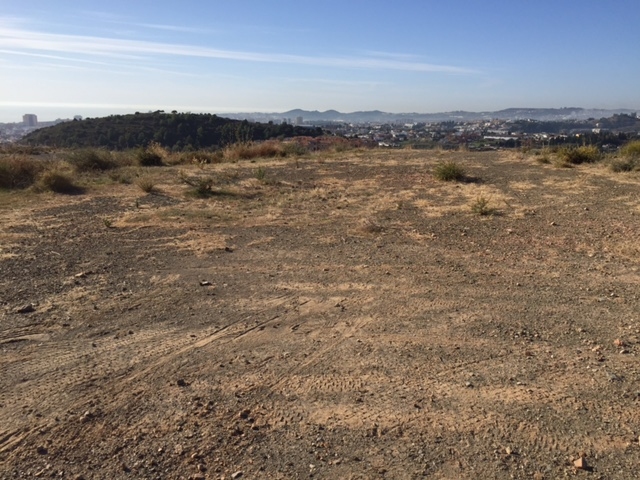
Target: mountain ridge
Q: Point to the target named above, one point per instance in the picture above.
(375, 116)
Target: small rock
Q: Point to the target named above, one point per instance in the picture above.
(205, 283)
(618, 343)
(28, 308)
(181, 383)
(237, 474)
(581, 463)
(468, 384)
(228, 249)
(42, 450)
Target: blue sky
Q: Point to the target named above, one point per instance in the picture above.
(61, 58)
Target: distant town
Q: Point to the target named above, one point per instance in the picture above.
(517, 128)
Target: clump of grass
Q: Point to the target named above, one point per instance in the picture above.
(449, 172)
(57, 181)
(146, 184)
(92, 159)
(19, 172)
(480, 206)
(579, 155)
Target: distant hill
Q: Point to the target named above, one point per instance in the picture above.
(376, 116)
(177, 131)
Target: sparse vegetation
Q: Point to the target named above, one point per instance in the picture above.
(449, 171)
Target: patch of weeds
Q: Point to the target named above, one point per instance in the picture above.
(449, 171)
(480, 206)
(146, 184)
(579, 155)
(19, 172)
(92, 159)
(57, 181)
(107, 222)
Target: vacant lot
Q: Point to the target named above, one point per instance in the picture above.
(336, 316)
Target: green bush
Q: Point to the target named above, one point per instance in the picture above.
(449, 172)
(19, 172)
(91, 159)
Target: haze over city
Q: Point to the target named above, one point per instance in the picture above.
(66, 58)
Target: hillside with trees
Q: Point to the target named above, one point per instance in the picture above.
(176, 131)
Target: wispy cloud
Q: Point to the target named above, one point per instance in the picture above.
(28, 41)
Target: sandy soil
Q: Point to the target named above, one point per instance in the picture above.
(347, 316)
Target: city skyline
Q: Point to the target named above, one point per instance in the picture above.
(61, 60)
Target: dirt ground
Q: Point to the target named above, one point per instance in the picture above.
(337, 316)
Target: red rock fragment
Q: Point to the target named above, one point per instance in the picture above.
(580, 463)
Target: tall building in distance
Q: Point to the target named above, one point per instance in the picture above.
(30, 120)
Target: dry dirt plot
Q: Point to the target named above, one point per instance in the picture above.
(342, 316)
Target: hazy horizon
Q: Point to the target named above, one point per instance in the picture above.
(60, 60)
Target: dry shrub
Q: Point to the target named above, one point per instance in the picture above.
(57, 181)
(19, 172)
(199, 157)
(449, 172)
(368, 225)
(579, 155)
(146, 184)
(248, 151)
(92, 159)
(631, 149)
